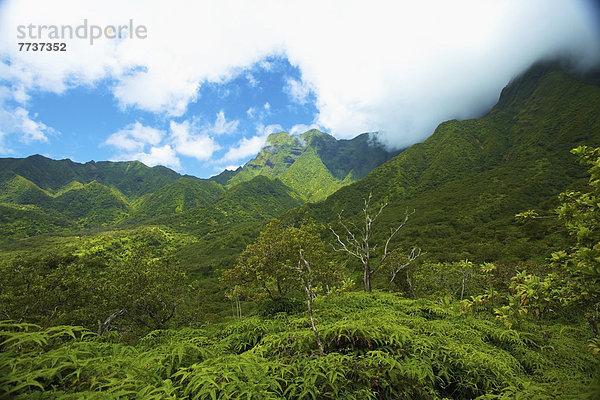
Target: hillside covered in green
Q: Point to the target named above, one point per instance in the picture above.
(313, 164)
(67, 195)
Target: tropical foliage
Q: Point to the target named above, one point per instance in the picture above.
(376, 346)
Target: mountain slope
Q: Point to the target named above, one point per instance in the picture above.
(468, 180)
(324, 163)
(92, 204)
(226, 227)
(74, 205)
(132, 178)
(18, 190)
(311, 178)
(183, 194)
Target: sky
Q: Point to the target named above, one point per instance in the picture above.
(198, 86)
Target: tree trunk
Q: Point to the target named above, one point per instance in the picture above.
(307, 284)
(593, 321)
(312, 322)
(367, 278)
(238, 307)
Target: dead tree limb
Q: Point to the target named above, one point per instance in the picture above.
(103, 327)
(306, 278)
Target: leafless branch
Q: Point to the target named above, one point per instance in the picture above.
(103, 328)
(357, 242)
(344, 247)
(414, 254)
(393, 232)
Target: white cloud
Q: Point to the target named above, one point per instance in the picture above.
(249, 147)
(222, 126)
(132, 141)
(31, 130)
(397, 67)
(135, 137)
(301, 128)
(267, 106)
(163, 155)
(297, 90)
(188, 141)
(252, 81)
(136, 90)
(153, 146)
(250, 112)
(15, 121)
(245, 148)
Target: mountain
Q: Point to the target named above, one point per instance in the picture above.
(293, 169)
(132, 178)
(225, 228)
(468, 180)
(182, 195)
(313, 164)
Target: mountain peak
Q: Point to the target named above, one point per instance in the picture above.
(313, 164)
(279, 139)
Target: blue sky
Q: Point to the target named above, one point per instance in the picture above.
(209, 80)
(257, 101)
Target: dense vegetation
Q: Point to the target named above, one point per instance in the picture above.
(313, 164)
(121, 281)
(377, 346)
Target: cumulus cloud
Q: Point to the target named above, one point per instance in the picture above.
(135, 137)
(222, 126)
(247, 147)
(16, 122)
(31, 130)
(163, 155)
(132, 141)
(301, 128)
(297, 90)
(155, 147)
(189, 141)
(395, 67)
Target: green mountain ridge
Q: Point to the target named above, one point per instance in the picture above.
(91, 204)
(313, 164)
(132, 178)
(100, 194)
(183, 194)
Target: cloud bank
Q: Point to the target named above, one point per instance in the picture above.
(157, 147)
(396, 67)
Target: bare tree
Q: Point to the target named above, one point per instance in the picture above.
(306, 278)
(357, 244)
